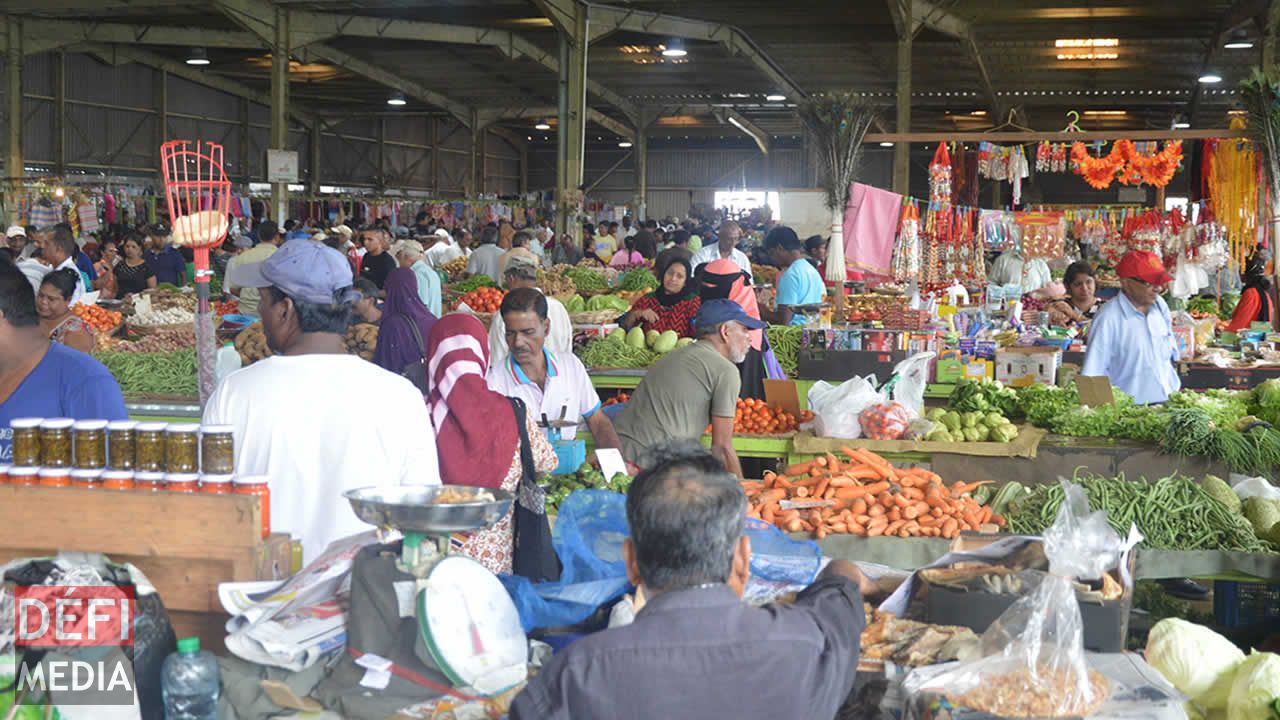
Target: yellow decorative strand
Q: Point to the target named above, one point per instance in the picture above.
(1233, 188)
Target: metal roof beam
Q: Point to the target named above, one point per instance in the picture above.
(488, 116)
(41, 34)
(606, 19)
(117, 54)
(1241, 12)
(926, 14)
(385, 77)
(724, 115)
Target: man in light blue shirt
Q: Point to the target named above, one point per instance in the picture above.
(799, 283)
(409, 254)
(1131, 341)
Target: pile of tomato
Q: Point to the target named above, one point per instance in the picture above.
(98, 318)
(483, 300)
(757, 418)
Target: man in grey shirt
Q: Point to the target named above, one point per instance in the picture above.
(695, 649)
(484, 261)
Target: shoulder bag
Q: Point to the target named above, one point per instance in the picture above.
(416, 371)
(534, 555)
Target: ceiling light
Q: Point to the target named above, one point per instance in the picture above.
(775, 97)
(674, 50)
(1181, 123)
(397, 100)
(886, 144)
(624, 144)
(1106, 113)
(979, 113)
(1239, 40)
(1086, 42)
(1089, 56)
(198, 56)
(542, 125)
(1210, 78)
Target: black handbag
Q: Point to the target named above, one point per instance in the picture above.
(416, 371)
(534, 555)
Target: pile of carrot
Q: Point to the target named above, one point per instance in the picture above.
(865, 495)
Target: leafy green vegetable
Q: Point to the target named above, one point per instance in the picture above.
(586, 279)
(475, 282)
(982, 396)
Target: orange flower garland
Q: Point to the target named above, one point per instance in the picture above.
(1126, 164)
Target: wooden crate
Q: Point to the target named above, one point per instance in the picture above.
(185, 544)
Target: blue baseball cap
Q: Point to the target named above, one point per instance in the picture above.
(715, 312)
(308, 271)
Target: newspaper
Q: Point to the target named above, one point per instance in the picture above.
(293, 624)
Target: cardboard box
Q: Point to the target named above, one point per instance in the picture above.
(1026, 366)
(975, 369)
(950, 367)
(985, 349)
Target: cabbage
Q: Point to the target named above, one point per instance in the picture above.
(1194, 659)
(1256, 687)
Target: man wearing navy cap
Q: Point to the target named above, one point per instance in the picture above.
(165, 260)
(313, 439)
(693, 386)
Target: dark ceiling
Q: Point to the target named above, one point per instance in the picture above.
(823, 45)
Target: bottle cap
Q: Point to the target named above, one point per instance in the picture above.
(189, 646)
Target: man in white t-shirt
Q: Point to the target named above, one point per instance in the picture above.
(551, 384)
(725, 249)
(522, 273)
(313, 419)
(444, 251)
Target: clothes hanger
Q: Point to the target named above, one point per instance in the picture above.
(1010, 123)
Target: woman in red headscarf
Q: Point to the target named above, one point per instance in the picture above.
(477, 434)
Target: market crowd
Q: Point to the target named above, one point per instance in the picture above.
(446, 400)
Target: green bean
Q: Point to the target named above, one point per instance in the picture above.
(169, 373)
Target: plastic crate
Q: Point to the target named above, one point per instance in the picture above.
(1245, 605)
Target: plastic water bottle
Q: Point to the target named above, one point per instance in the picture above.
(225, 362)
(189, 682)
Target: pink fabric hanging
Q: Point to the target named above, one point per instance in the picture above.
(870, 225)
(109, 208)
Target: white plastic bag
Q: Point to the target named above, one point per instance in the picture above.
(1247, 487)
(836, 407)
(913, 377)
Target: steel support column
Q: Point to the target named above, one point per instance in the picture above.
(60, 113)
(280, 107)
(571, 130)
(244, 159)
(902, 150)
(474, 185)
(641, 163)
(313, 157)
(1269, 38)
(13, 72)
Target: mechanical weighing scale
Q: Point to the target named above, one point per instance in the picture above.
(466, 621)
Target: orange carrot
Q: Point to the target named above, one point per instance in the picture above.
(960, 488)
(894, 527)
(865, 472)
(877, 488)
(802, 492)
(912, 493)
(833, 463)
(876, 510)
(771, 495)
(859, 507)
(821, 487)
(876, 531)
(798, 469)
(782, 482)
(850, 493)
(842, 482)
(984, 516)
(998, 520)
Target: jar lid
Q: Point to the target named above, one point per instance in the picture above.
(251, 479)
(54, 472)
(90, 425)
(86, 474)
(25, 423)
(23, 470)
(151, 427)
(122, 424)
(181, 427)
(215, 479)
(5, 468)
(57, 424)
(117, 475)
(209, 429)
(181, 478)
(149, 477)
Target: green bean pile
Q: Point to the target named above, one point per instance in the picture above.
(606, 353)
(785, 340)
(1173, 513)
(168, 373)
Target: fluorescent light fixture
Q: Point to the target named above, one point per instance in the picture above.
(1210, 78)
(624, 144)
(775, 97)
(979, 113)
(1089, 56)
(1181, 124)
(1086, 42)
(197, 56)
(1239, 40)
(886, 143)
(1106, 113)
(397, 100)
(674, 50)
(542, 125)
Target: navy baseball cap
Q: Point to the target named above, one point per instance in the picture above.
(308, 271)
(715, 312)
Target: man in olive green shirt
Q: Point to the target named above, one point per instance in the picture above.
(692, 386)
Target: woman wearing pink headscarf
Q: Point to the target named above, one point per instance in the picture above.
(477, 436)
(723, 279)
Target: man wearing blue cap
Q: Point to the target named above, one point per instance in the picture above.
(693, 386)
(314, 419)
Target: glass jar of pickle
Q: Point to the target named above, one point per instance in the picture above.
(148, 481)
(24, 476)
(215, 484)
(89, 440)
(26, 441)
(55, 477)
(121, 443)
(182, 482)
(117, 480)
(181, 449)
(149, 447)
(256, 485)
(217, 449)
(55, 442)
(85, 478)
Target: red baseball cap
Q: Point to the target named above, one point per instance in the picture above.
(1145, 266)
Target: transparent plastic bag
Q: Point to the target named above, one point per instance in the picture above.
(912, 376)
(836, 407)
(1031, 661)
